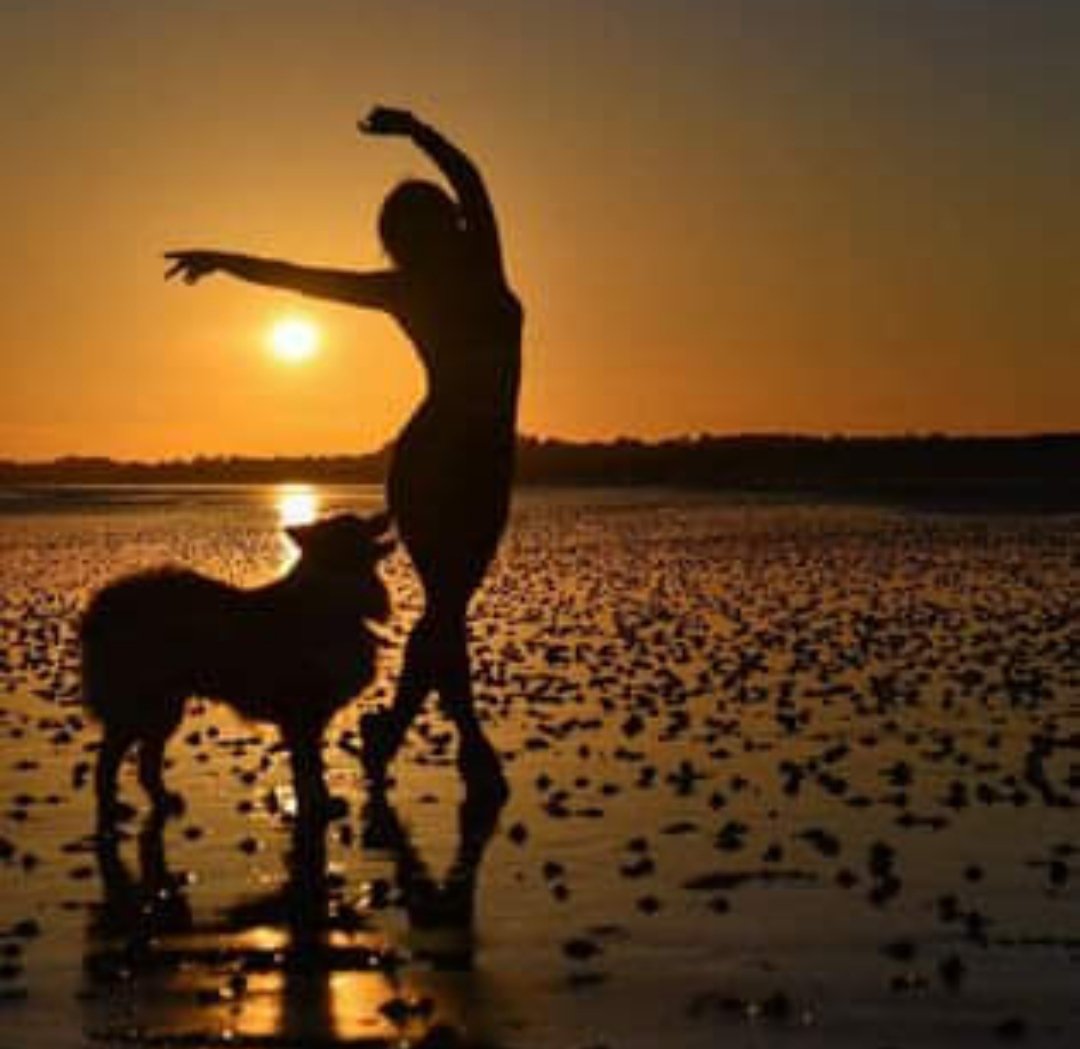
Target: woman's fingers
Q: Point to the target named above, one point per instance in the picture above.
(189, 266)
(382, 120)
(184, 265)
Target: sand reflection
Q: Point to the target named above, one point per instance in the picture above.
(304, 964)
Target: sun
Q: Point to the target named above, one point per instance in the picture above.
(294, 339)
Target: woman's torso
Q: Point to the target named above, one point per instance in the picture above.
(467, 333)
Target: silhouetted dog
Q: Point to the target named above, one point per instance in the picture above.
(291, 653)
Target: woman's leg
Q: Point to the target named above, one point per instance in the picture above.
(436, 658)
(478, 760)
(451, 551)
(383, 731)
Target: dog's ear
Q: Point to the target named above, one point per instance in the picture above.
(299, 534)
(378, 524)
(383, 548)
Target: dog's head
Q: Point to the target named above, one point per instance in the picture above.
(350, 547)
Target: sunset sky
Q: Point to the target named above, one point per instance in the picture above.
(768, 215)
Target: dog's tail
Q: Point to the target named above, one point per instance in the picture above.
(92, 671)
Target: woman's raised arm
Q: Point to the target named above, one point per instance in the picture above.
(460, 172)
(375, 290)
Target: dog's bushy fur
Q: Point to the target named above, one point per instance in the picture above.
(292, 652)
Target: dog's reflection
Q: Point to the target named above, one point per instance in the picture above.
(304, 964)
(135, 911)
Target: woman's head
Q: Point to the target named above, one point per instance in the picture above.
(419, 224)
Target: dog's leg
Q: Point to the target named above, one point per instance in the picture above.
(152, 768)
(307, 768)
(312, 797)
(114, 745)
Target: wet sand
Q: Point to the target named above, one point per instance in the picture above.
(781, 774)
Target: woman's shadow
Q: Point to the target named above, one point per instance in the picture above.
(300, 965)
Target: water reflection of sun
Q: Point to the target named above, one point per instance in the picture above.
(326, 1005)
(296, 504)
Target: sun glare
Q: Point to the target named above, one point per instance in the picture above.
(294, 339)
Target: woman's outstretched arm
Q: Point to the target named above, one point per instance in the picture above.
(374, 290)
(460, 172)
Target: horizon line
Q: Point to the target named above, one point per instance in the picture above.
(622, 439)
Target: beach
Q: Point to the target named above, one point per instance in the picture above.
(782, 773)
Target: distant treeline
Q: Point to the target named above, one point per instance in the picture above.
(202, 469)
(1036, 468)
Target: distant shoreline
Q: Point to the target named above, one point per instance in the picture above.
(1034, 472)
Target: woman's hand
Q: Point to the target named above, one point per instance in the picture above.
(383, 120)
(192, 266)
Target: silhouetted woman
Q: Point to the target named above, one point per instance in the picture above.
(449, 481)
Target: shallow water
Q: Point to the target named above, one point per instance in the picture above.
(782, 774)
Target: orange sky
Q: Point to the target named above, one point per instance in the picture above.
(812, 215)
